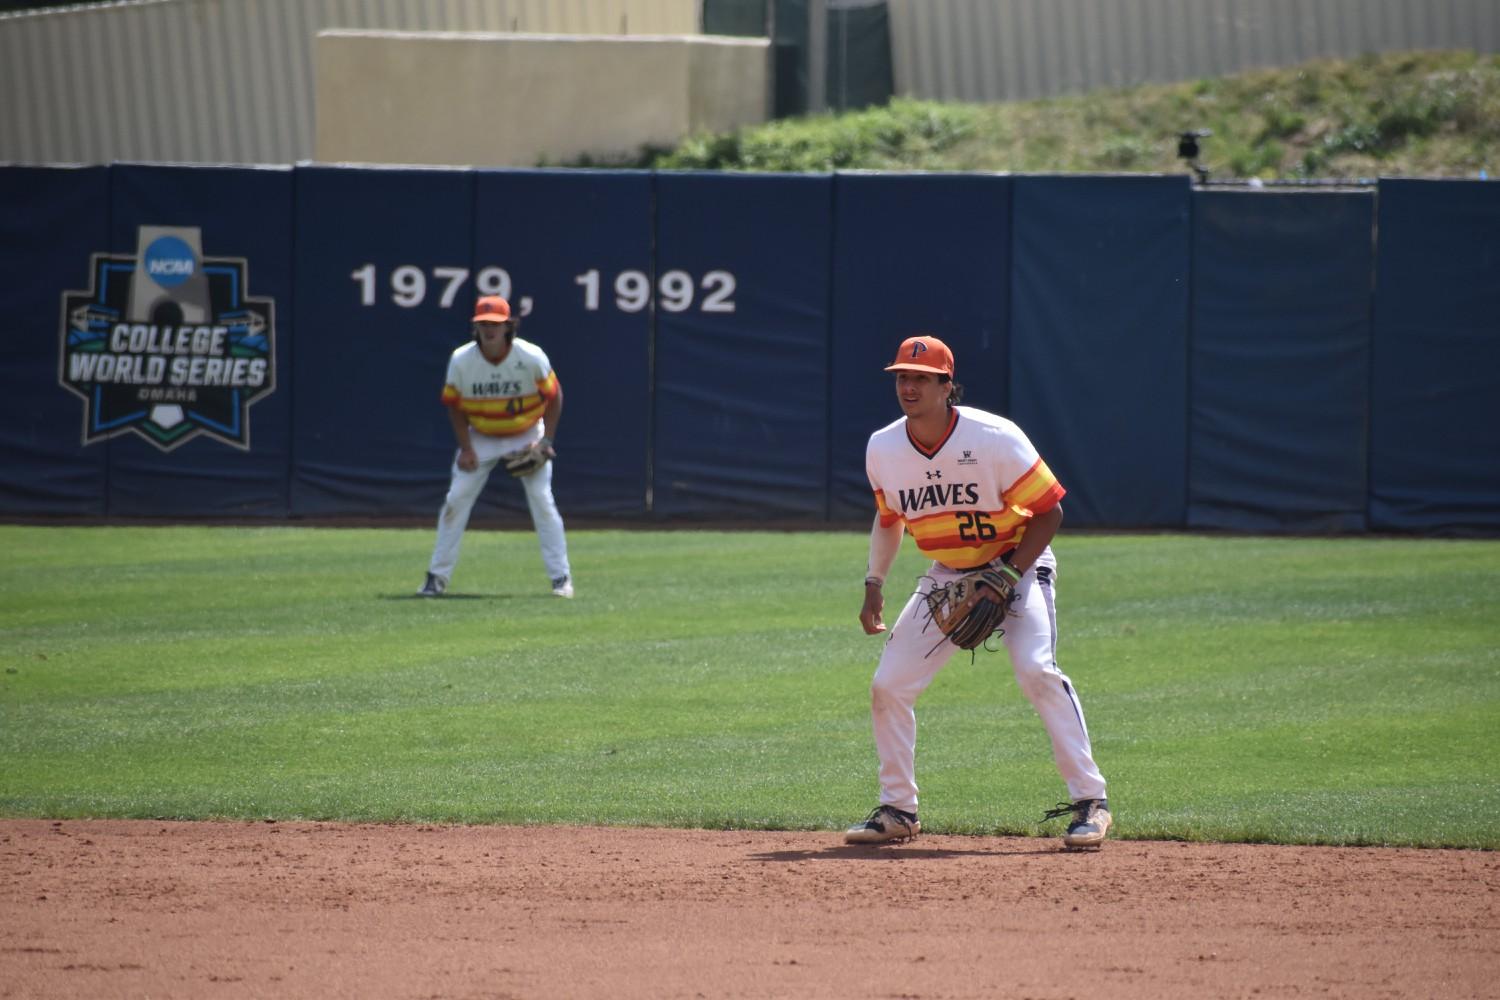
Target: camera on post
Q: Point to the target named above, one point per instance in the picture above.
(1188, 149)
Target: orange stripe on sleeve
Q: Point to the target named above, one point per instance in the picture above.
(1037, 491)
(887, 516)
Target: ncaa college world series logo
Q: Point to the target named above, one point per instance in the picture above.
(168, 343)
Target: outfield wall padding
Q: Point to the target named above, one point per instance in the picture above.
(1317, 361)
(202, 476)
(51, 221)
(740, 373)
(1280, 368)
(912, 254)
(1099, 341)
(566, 239)
(375, 253)
(1435, 420)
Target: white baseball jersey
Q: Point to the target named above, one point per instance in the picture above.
(967, 500)
(501, 400)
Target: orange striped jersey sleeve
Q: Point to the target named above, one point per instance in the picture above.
(548, 387)
(1036, 492)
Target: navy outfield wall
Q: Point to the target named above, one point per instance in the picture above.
(51, 221)
(912, 254)
(1280, 366)
(1099, 340)
(1321, 361)
(255, 223)
(1434, 408)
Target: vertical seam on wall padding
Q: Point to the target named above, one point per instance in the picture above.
(109, 242)
(1191, 328)
(1008, 403)
(1369, 407)
(833, 277)
(651, 314)
(284, 351)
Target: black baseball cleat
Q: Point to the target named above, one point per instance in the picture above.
(884, 824)
(1090, 825)
(433, 587)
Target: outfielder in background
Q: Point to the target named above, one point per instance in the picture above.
(978, 499)
(504, 402)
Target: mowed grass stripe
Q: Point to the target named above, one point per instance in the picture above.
(1265, 689)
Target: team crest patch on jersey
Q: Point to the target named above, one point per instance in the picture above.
(167, 343)
(968, 458)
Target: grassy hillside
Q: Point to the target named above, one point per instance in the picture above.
(1429, 114)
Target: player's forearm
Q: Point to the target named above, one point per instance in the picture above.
(552, 414)
(1040, 531)
(885, 542)
(460, 425)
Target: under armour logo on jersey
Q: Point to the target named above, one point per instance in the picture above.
(935, 474)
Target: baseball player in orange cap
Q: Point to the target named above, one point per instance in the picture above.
(972, 491)
(504, 403)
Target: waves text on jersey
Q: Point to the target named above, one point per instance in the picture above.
(939, 495)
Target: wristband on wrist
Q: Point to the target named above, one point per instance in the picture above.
(1010, 571)
(874, 581)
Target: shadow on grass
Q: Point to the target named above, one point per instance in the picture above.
(451, 596)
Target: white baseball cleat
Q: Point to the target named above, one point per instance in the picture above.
(884, 824)
(562, 587)
(1090, 824)
(433, 587)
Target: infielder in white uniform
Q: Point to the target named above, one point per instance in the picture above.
(972, 491)
(503, 398)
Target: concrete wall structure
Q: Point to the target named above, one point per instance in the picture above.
(516, 100)
(229, 81)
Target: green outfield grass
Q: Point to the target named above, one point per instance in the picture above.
(1293, 690)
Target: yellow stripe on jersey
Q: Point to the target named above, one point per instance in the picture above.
(1038, 491)
(970, 537)
(499, 416)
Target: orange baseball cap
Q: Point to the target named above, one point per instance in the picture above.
(923, 354)
(491, 309)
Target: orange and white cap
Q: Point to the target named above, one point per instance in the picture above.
(491, 309)
(923, 353)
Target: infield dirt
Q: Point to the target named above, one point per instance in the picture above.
(229, 910)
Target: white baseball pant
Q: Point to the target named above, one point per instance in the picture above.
(465, 489)
(913, 656)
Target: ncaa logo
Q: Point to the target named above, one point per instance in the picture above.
(167, 343)
(169, 261)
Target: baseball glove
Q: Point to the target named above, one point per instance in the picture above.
(530, 458)
(972, 608)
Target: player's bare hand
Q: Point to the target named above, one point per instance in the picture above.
(467, 460)
(869, 615)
